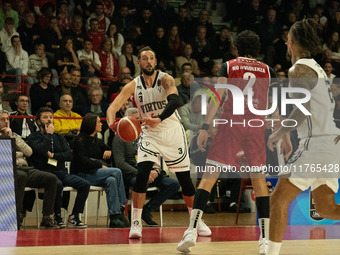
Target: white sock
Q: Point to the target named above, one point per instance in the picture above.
(195, 217)
(273, 248)
(137, 214)
(189, 210)
(264, 228)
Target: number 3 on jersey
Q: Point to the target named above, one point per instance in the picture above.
(250, 77)
(180, 150)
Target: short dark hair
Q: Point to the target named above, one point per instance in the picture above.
(186, 64)
(248, 43)
(88, 125)
(9, 21)
(42, 110)
(43, 72)
(17, 96)
(307, 33)
(13, 37)
(146, 48)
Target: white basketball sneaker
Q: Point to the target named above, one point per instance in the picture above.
(136, 230)
(263, 245)
(188, 241)
(203, 229)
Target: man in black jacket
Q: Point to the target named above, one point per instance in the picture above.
(50, 152)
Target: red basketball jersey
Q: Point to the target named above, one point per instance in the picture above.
(245, 73)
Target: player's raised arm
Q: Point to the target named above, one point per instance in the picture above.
(127, 91)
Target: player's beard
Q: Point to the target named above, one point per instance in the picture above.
(149, 73)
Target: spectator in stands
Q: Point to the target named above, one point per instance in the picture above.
(66, 87)
(191, 117)
(281, 54)
(164, 13)
(38, 60)
(6, 34)
(47, 12)
(184, 24)
(203, 19)
(124, 154)
(270, 33)
(335, 25)
(300, 9)
(175, 44)
(127, 59)
(69, 128)
(103, 22)
(160, 45)
(42, 92)
(96, 36)
(92, 162)
(251, 16)
(121, 84)
(220, 45)
(135, 36)
(84, 8)
(7, 11)
(123, 20)
(64, 20)
(3, 62)
(89, 59)
(77, 32)
(328, 67)
(332, 46)
(39, 6)
(22, 126)
(94, 81)
(17, 60)
(202, 49)
(109, 68)
(50, 152)
(291, 19)
(109, 8)
(97, 105)
(29, 33)
(124, 73)
(184, 88)
(186, 58)
(116, 38)
(66, 58)
(22, 10)
(215, 69)
(147, 24)
(28, 176)
(3, 105)
(51, 38)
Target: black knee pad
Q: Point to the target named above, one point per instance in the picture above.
(144, 169)
(184, 179)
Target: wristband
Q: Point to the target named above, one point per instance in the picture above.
(205, 126)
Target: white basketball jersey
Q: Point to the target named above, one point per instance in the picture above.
(152, 101)
(321, 122)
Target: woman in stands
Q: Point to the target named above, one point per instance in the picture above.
(91, 160)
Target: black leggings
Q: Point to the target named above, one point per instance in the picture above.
(144, 169)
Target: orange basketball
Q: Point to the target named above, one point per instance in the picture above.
(129, 129)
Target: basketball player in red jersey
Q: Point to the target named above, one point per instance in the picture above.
(243, 72)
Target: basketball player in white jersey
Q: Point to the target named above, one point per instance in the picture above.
(316, 132)
(156, 96)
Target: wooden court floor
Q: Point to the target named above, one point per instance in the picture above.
(227, 238)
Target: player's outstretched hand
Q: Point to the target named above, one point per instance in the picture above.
(202, 140)
(151, 122)
(273, 139)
